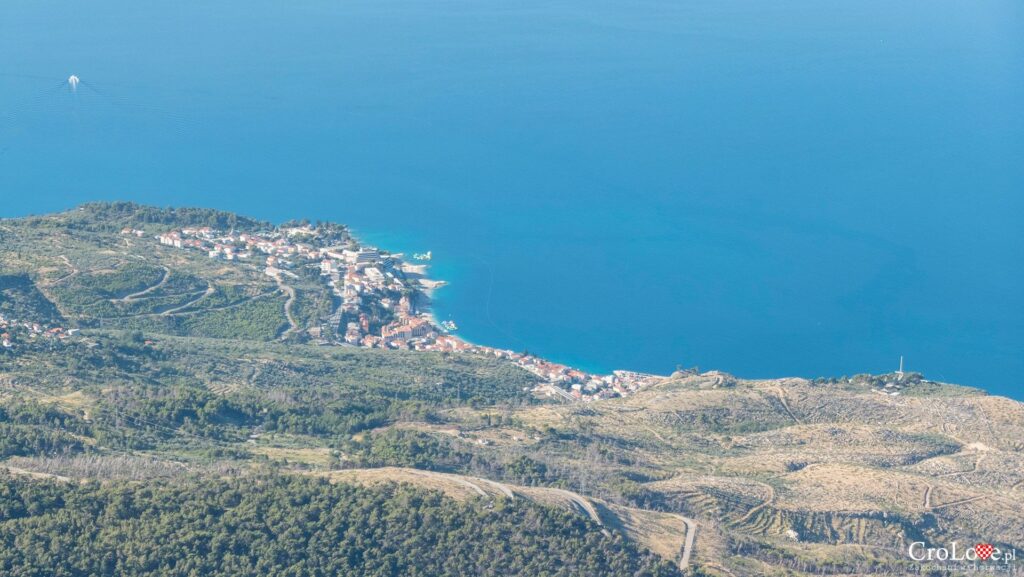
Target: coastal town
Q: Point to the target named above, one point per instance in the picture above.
(380, 300)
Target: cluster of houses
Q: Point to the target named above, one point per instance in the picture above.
(13, 331)
(377, 295)
(379, 300)
(559, 381)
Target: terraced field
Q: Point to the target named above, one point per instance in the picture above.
(777, 465)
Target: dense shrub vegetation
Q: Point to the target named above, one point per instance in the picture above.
(20, 299)
(36, 429)
(225, 390)
(273, 525)
(21, 440)
(112, 216)
(84, 291)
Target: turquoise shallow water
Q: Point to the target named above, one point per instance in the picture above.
(804, 187)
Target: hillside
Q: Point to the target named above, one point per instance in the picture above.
(140, 367)
(273, 525)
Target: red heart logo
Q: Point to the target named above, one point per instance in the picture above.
(983, 551)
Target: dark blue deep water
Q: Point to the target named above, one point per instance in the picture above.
(795, 187)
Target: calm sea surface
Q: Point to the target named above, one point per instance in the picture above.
(797, 187)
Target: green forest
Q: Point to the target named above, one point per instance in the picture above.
(274, 525)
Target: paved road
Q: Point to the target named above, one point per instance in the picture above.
(144, 292)
(691, 536)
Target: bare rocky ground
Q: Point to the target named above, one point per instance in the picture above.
(816, 470)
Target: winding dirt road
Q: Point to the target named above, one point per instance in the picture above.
(74, 271)
(756, 508)
(785, 405)
(691, 536)
(144, 292)
(581, 502)
(290, 291)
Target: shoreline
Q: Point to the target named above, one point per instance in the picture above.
(433, 315)
(387, 302)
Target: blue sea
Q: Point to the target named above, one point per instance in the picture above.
(796, 187)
